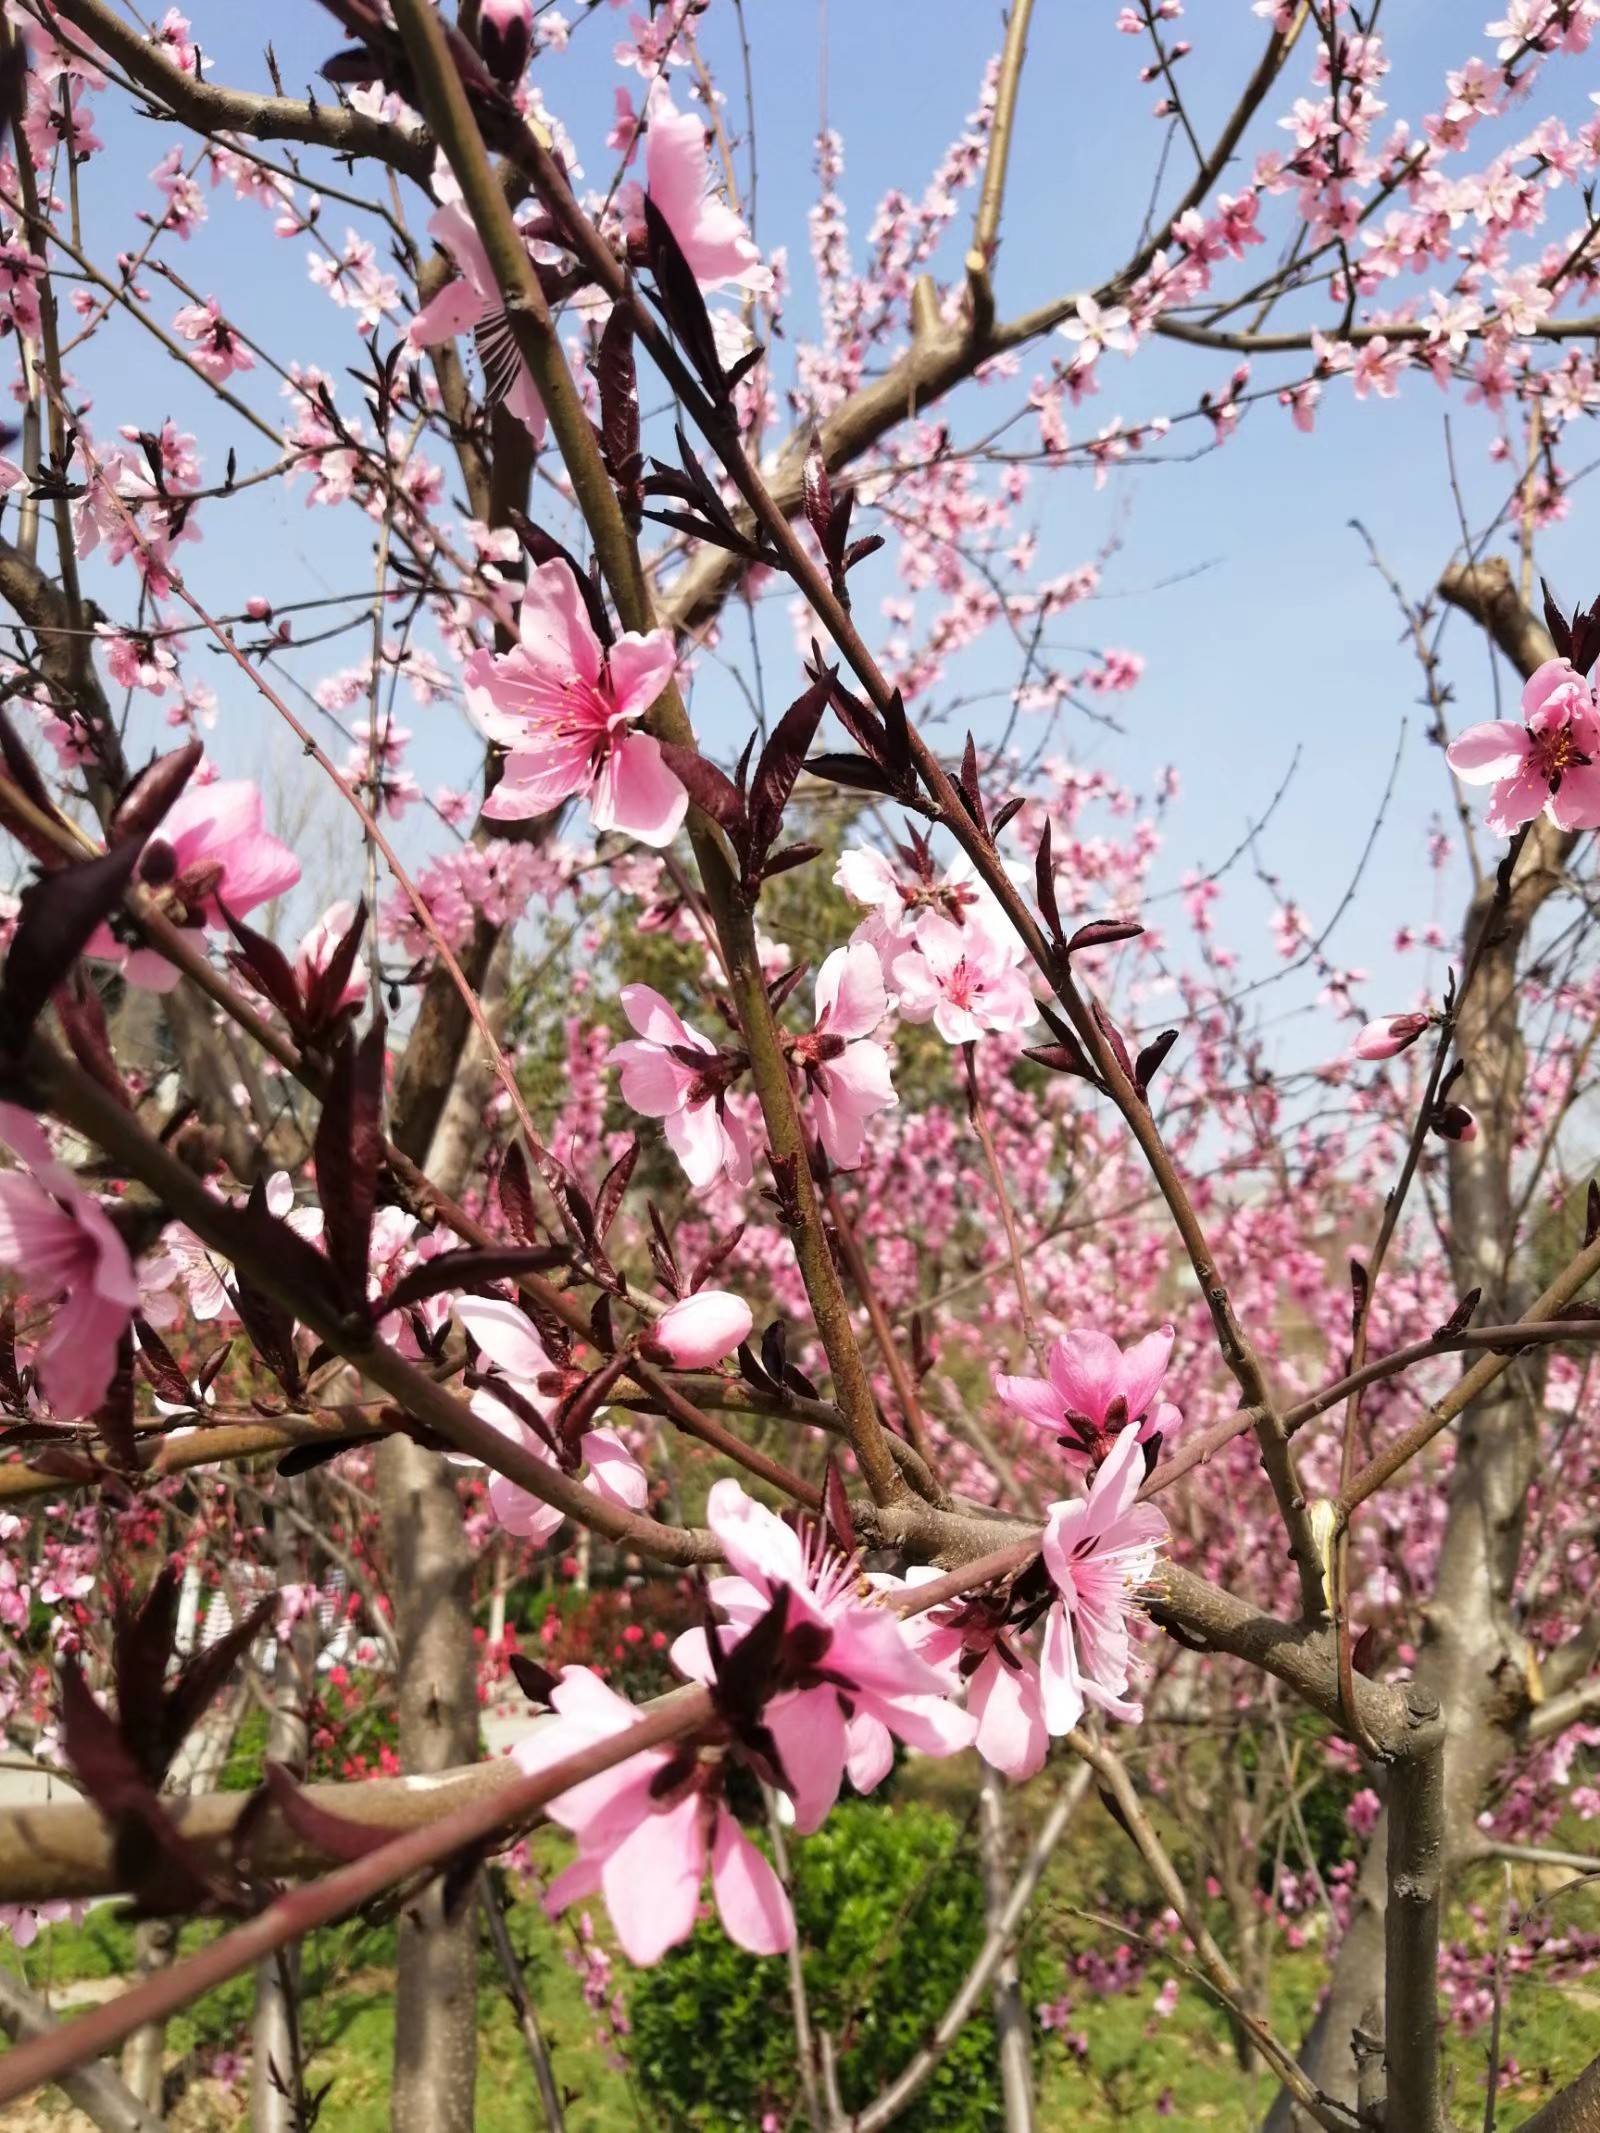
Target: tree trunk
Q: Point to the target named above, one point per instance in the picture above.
(1472, 1657)
(436, 1988)
(274, 2030)
(431, 1572)
(1013, 2040)
(155, 1943)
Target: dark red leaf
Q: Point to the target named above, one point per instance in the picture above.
(707, 1265)
(774, 1350)
(898, 731)
(858, 551)
(335, 1836)
(968, 787)
(516, 1194)
(203, 1679)
(711, 789)
(1044, 882)
(792, 855)
(1102, 932)
(818, 494)
(83, 1018)
(922, 1354)
(93, 1744)
(265, 966)
(1113, 1036)
(471, 1269)
(1067, 1057)
(780, 765)
(349, 1157)
(1461, 1317)
(1591, 1213)
(858, 772)
(1149, 1061)
(619, 392)
(326, 989)
(160, 1366)
(613, 1186)
(55, 918)
(23, 773)
(143, 806)
(1556, 623)
(535, 1681)
(679, 295)
(580, 1406)
(543, 547)
(862, 723)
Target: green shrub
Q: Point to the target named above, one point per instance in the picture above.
(890, 1909)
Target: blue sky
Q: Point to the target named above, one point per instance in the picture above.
(1267, 635)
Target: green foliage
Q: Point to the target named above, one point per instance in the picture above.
(890, 1909)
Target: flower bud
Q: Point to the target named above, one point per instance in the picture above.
(505, 38)
(699, 1331)
(1454, 1122)
(1388, 1035)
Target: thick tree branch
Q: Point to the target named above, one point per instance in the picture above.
(213, 110)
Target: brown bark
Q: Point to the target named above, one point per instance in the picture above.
(1472, 1656)
(1013, 2042)
(436, 1989)
(274, 2033)
(436, 1984)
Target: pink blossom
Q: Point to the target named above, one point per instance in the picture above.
(700, 1330)
(847, 1075)
(1094, 1391)
(218, 350)
(897, 902)
(964, 978)
(566, 707)
(212, 849)
(20, 270)
(1549, 764)
(171, 37)
(968, 1642)
(647, 1831)
(472, 303)
(662, 1077)
(1098, 1550)
(509, 1342)
(865, 1687)
(1363, 1811)
(61, 1246)
(1094, 328)
(1389, 1035)
(710, 235)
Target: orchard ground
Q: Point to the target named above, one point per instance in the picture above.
(1142, 2070)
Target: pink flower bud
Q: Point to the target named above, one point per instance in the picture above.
(1454, 1122)
(505, 37)
(700, 1331)
(1388, 1035)
(257, 608)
